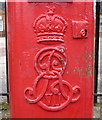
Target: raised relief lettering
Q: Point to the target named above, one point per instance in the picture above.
(49, 90)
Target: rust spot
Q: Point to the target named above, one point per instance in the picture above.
(20, 63)
(89, 63)
(77, 62)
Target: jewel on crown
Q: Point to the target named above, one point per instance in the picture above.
(50, 27)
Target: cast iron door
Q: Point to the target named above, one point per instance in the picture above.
(50, 48)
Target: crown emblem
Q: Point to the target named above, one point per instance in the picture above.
(49, 27)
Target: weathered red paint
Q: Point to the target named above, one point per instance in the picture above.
(50, 48)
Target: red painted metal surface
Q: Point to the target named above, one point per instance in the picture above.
(51, 50)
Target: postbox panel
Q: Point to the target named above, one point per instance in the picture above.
(50, 51)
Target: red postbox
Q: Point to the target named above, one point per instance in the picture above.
(51, 50)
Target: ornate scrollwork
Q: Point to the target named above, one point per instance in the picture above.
(50, 64)
(49, 90)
